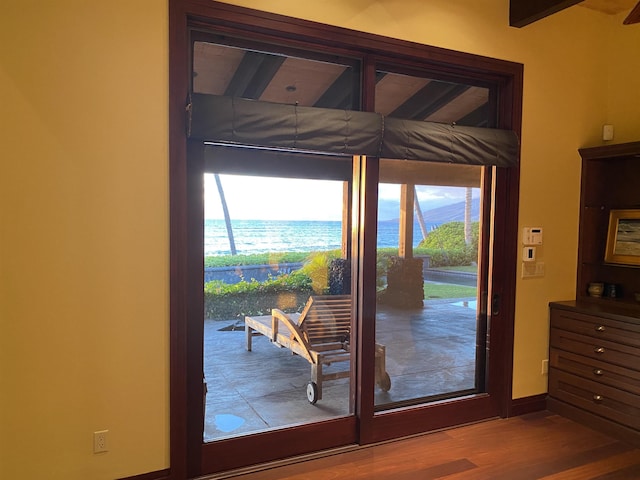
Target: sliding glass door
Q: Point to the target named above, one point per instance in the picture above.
(433, 227)
(271, 268)
(336, 292)
(324, 296)
(289, 348)
(272, 243)
(428, 260)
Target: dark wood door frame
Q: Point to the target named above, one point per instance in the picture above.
(184, 14)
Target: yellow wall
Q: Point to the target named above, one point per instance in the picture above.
(624, 83)
(84, 202)
(84, 238)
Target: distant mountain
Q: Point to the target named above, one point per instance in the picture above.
(454, 212)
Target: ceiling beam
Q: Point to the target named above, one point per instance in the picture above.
(340, 93)
(253, 74)
(524, 12)
(433, 96)
(634, 16)
(477, 118)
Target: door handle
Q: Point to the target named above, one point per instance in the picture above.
(495, 304)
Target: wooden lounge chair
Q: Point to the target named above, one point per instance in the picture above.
(320, 334)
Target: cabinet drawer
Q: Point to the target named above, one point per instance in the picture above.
(602, 328)
(605, 351)
(596, 370)
(613, 404)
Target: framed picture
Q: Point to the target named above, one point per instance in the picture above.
(623, 240)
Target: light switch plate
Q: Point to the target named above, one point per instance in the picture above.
(532, 236)
(529, 254)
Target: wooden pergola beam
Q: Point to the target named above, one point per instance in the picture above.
(405, 242)
(524, 12)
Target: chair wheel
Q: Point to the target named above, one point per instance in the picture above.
(312, 393)
(385, 382)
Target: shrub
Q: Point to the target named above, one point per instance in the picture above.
(260, 258)
(286, 292)
(383, 261)
(451, 258)
(446, 246)
(232, 301)
(450, 236)
(317, 269)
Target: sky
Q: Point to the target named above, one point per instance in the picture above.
(254, 198)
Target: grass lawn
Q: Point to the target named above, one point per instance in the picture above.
(433, 290)
(461, 268)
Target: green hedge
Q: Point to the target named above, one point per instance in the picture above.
(446, 246)
(236, 306)
(234, 301)
(262, 258)
(290, 292)
(452, 258)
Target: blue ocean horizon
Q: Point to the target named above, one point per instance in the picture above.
(264, 236)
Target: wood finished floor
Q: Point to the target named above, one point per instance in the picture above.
(535, 446)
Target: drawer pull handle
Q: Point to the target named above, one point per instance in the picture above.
(597, 398)
(598, 372)
(599, 350)
(600, 328)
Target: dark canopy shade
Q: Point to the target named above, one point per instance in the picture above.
(236, 121)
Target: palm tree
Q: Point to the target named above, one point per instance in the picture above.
(467, 217)
(227, 218)
(416, 206)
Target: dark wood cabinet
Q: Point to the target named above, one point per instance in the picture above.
(594, 366)
(610, 181)
(594, 342)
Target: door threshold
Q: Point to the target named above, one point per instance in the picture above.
(323, 454)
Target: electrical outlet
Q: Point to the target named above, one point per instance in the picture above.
(545, 367)
(100, 441)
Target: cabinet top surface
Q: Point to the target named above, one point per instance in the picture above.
(610, 151)
(609, 309)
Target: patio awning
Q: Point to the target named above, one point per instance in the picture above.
(251, 123)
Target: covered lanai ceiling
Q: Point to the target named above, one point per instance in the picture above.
(237, 72)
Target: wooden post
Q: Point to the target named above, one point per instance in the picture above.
(405, 241)
(346, 219)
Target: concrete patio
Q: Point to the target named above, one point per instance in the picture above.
(430, 352)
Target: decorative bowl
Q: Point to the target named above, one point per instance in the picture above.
(596, 289)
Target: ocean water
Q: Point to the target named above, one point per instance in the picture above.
(261, 236)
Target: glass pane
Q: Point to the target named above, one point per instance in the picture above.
(423, 98)
(275, 77)
(427, 256)
(278, 245)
